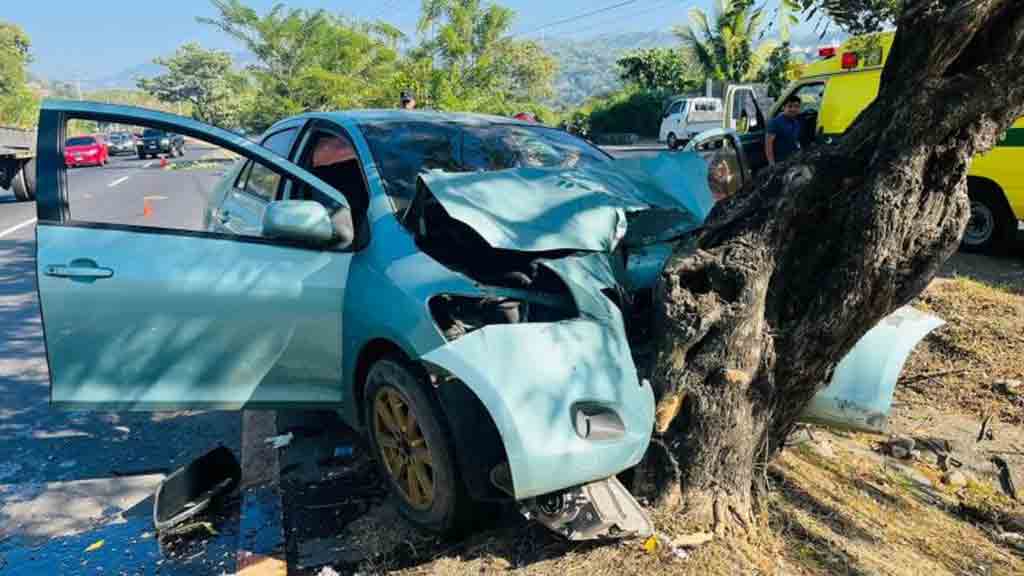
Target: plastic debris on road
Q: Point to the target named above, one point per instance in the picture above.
(280, 441)
(95, 546)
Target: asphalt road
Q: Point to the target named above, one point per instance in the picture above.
(71, 480)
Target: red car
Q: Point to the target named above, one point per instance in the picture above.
(85, 151)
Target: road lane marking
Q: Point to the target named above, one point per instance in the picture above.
(13, 229)
(118, 181)
(147, 164)
(154, 197)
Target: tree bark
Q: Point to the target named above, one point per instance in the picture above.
(754, 312)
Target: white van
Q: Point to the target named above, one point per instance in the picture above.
(684, 118)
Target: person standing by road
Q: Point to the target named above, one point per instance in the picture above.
(783, 138)
(406, 101)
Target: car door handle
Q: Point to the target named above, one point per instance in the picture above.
(79, 271)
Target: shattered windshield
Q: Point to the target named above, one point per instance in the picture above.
(403, 150)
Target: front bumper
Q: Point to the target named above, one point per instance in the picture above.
(531, 376)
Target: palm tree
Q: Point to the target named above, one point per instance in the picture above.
(725, 50)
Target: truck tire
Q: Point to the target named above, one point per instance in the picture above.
(24, 183)
(672, 141)
(992, 226)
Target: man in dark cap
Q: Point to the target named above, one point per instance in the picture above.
(407, 102)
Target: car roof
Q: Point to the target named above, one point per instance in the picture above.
(367, 116)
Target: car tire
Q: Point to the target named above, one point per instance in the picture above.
(672, 141)
(395, 387)
(992, 224)
(23, 184)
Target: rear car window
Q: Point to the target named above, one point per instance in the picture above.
(150, 133)
(81, 141)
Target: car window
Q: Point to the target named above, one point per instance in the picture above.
(80, 141)
(260, 181)
(152, 132)
(187, 185)
(676, 107)
(281, 142)
(810, 96)
(745, 112)
(401, 150)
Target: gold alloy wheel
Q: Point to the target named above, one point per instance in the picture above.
(403, 447)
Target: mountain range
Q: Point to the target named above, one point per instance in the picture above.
(586, 66)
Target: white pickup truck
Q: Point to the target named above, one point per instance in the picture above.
(684, 118)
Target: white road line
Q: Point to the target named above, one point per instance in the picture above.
(18, 227)
(118, 181)
(147, 164)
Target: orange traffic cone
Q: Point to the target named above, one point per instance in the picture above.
(147, 209)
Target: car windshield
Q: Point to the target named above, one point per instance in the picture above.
(153, 133)
(402, 150)
(81, 141)
(116, 137)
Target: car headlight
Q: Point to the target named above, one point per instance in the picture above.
(457, 315)
(595, 422)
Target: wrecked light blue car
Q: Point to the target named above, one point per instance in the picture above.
(467, 290)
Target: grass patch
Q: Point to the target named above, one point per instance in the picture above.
(981, 342)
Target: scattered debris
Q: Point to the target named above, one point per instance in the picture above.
(901, 447)
(328, 571)
(191, 489)
(651, 545)
(1005, 477)
(280, 441)
(95, 545)
(955, 478)
(823, 448)
(1008, 386)
(985, 433)
(192, 528)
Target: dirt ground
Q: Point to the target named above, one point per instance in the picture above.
(840, 504)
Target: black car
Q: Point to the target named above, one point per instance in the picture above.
(154, 142)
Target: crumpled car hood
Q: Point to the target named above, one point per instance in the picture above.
(635, 200)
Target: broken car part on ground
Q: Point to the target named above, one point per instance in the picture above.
(473, 305)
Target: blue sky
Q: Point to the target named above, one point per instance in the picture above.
(97, 39)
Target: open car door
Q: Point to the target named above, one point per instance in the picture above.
(744, 115)
(147, 304)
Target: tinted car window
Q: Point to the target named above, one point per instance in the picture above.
(80, 141)
(152, 132)
(401, 150)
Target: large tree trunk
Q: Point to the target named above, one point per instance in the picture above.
(754, 315)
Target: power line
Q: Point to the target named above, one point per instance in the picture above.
(619, 19)
(576, 17)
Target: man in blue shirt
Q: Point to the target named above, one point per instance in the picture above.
(783, 137)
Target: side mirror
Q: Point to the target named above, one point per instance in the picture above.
(303, 221)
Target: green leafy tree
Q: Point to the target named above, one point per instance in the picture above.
(854, 16)
(724, 44)
(202, 78)
(310, 60)
(18, 104)
(470, 62)
(776, 71)
(660, 70)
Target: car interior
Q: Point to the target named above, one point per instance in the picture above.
(333, 159)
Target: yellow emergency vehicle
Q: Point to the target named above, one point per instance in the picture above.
(834, 90)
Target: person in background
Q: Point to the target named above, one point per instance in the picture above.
(783, 138)
(406, 101)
